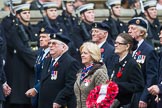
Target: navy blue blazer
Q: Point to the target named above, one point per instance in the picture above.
(38, 68)
(147, 57)
(109, 57)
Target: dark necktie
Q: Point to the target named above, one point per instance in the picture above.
(51, 65)
(41, 55)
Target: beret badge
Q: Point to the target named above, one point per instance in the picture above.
(42, 29)
(137, 21)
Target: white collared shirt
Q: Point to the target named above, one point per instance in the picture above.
(139, 43)
(45, 52)
(100, 45)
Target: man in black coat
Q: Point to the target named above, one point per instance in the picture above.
(58, 76)
(5, 90)
(147, 57)
(20, 59)
(156, 90)
(99, 36)
(87, 17)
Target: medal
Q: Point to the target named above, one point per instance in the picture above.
(54, 75)
(52, 78)
(86, 84)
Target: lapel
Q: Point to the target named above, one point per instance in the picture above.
(142, 46)
(78, 77)
(45, 67)
(106, 53)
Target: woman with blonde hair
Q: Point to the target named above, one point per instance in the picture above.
(94, 73)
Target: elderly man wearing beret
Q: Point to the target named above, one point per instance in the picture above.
(99, 36)
(147, 58)
(43, 54)
(58, 76)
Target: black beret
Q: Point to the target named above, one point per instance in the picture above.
(139, 21)
(60, 37)
(101, 25)
(47, 30)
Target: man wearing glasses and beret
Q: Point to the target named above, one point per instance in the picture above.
(58, 76)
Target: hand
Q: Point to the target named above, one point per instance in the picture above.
(31, 92)
(6, 89)
(56, 105)
(142, 104)
(154, 90)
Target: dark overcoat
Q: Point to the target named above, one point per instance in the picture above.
(130, 81)
(147, 57)
(59, 90)
(19, 66)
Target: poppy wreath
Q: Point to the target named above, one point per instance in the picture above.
(112, 91)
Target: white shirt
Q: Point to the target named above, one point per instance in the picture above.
(139, 43)
(100, 45)
(45, 52)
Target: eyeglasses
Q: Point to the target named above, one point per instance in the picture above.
(54, 43)
(94, 31)
(119, 43)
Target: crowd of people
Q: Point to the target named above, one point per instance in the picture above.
(57, 62)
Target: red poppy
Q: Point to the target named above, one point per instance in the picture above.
(101, 50)
(138, 53)
(119, 74)
(56, 64)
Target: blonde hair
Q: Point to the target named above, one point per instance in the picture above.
(93, 49)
